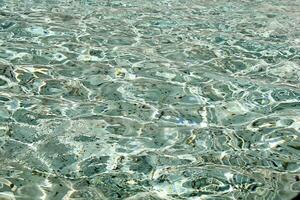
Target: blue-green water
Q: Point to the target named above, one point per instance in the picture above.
(152, 100)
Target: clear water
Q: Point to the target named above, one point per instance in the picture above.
(161, 99)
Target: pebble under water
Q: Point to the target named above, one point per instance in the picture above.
(149, 99)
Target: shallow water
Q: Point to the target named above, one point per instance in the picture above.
(163, 99)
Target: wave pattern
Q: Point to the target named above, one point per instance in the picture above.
(149, 99)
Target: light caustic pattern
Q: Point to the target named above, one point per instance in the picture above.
(163, 99)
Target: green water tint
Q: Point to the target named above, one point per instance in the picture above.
(149, 100)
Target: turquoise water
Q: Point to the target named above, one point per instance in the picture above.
(152, 100)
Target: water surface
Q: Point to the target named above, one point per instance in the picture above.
(155, 100)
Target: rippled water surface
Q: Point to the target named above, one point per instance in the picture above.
(152, 100)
